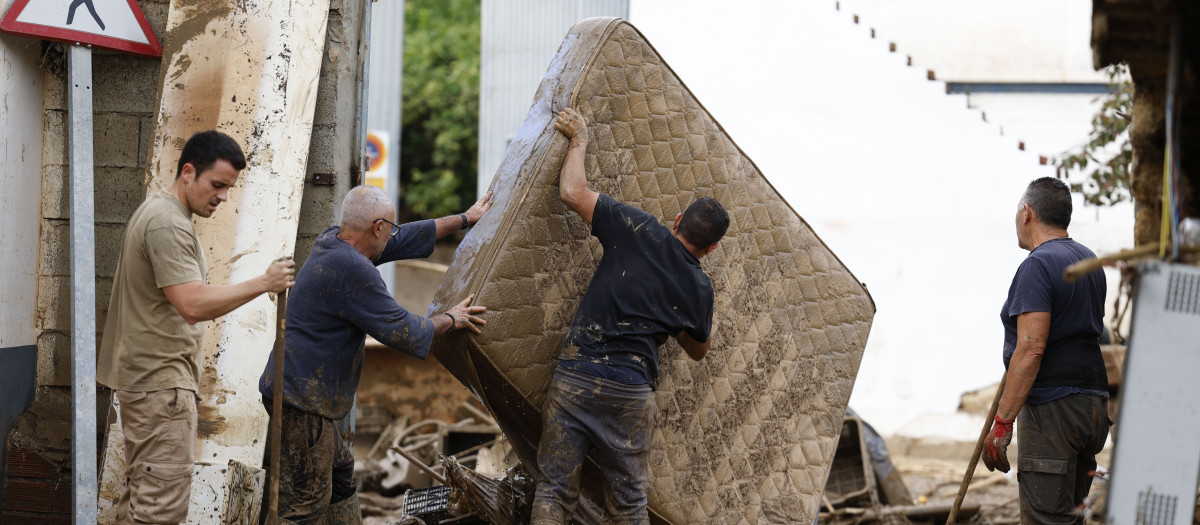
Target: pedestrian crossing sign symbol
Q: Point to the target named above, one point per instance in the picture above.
(118, 25)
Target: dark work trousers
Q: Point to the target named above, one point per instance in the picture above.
(1057, 444)
(583, 411)
(317, 467)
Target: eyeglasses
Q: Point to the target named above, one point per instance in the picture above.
(395, 227)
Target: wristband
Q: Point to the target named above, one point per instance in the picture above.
(465, 223)
(453, 321)
(1003, 421)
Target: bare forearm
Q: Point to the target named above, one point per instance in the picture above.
(572, 177)
(208, 302)
(572, 180)
(1022, 371)
(1033, 329)
(197, 302)
(446, 225)
(442, 323)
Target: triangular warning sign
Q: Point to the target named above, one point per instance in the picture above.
(119, 25)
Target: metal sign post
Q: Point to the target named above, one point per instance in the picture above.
(83, 286)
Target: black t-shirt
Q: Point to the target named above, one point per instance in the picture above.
(1076, 319)
(647, 288)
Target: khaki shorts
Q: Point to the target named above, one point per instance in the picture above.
(160, 444)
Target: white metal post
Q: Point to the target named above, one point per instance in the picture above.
(83, 286)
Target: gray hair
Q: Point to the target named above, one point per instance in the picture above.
(1050, 200)
(362, 206)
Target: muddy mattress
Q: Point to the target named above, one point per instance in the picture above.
(748, 434)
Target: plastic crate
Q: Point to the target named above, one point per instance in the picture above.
(851, 480)
(428, 505)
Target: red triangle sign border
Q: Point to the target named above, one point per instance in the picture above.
(11, 26)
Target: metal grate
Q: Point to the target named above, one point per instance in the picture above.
(429, 505)
(846, 477)
(1183, 293)
(1154, 509)
(848, 481)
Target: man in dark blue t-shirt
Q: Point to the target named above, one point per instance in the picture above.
(1056, 379)
(338, 299)
(648, 287)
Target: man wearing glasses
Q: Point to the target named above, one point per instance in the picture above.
(338, 299)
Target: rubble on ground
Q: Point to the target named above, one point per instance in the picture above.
(472, 448)
(485, 483)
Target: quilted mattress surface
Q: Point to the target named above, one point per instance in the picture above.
(746, 435)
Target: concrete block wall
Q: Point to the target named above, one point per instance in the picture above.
(124, 106)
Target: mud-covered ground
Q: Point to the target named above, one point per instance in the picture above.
(937, 482)
(931, 481)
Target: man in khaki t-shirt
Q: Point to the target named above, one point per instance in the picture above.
(150, 349)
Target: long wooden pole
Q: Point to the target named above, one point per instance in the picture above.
(987, 427)
(277, 409)
(1086, 266)
(428, 470)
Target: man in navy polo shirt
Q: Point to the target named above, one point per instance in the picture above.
(1056, 377)
(338, 299)
(648, 286)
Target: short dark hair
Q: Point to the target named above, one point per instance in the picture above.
(206, 147)
(704, 223)
(1050, 200)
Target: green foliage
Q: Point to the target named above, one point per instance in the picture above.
(440, 106)
(1105, 160)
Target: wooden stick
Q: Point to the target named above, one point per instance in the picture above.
(486, 419)
(987, 427)
(277, 409)
(1087, 266)
(428, 470)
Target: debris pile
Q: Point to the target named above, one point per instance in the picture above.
(436, 472)
(504, 501)
(865, 486)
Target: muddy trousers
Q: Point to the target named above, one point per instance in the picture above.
(316, 483)
(160, 442)
(616, 420)
(1057, 444)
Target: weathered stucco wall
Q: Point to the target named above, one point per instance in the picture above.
(125, 103)
(20, 162)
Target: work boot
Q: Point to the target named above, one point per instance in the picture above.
(345, 512)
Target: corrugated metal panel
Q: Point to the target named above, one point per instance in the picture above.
(385, 74)
(519, 37)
